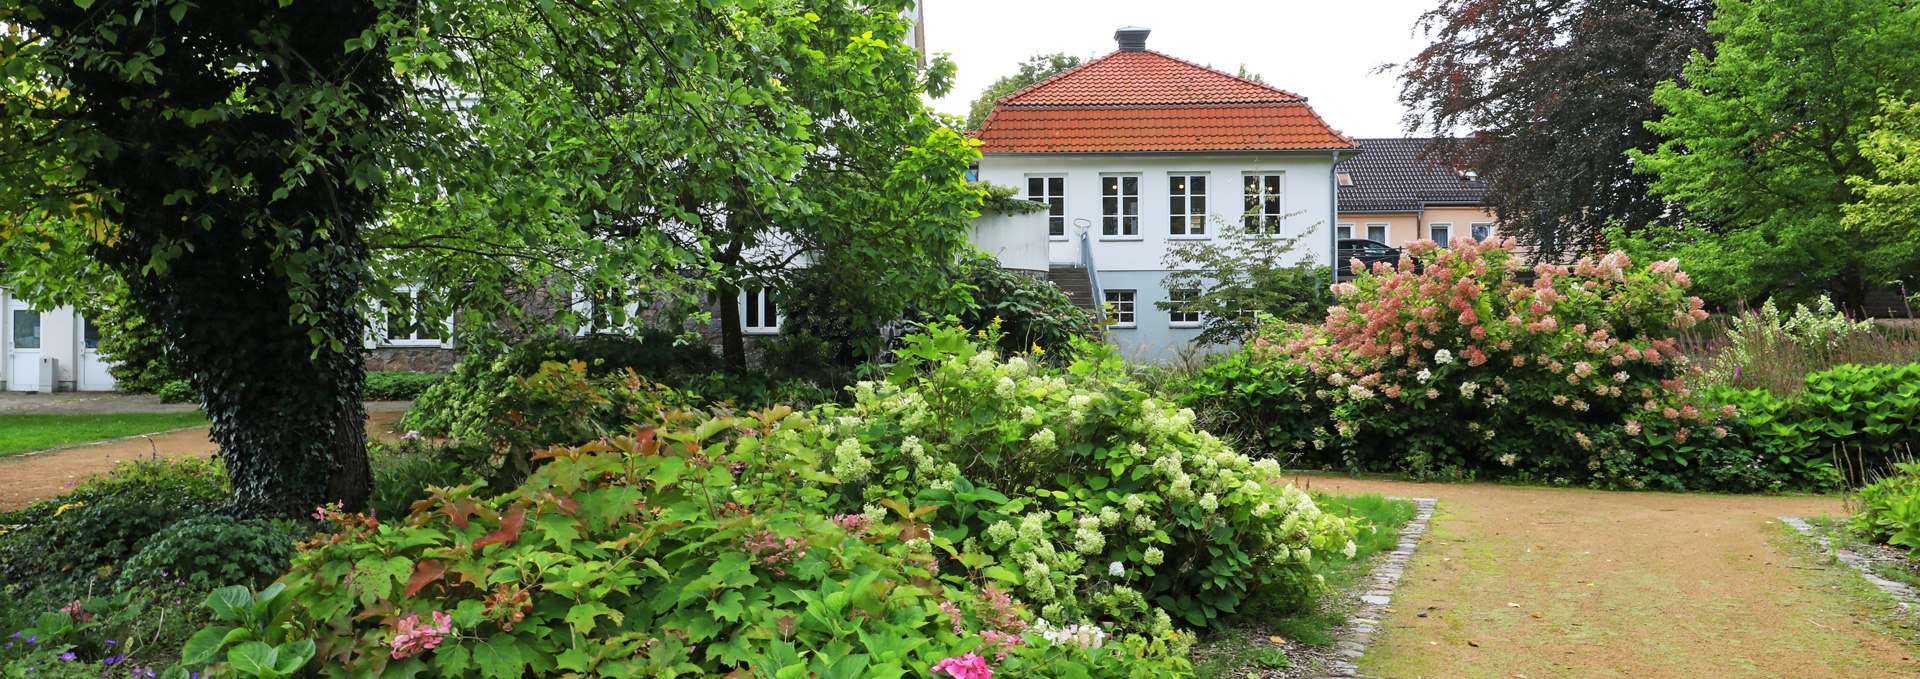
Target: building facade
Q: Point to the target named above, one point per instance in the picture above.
(1395, 192)
(46, 350)
(1136, 151)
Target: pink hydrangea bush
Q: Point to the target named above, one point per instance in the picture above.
(1471, 363)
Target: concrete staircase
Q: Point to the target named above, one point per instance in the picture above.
(1073, 281)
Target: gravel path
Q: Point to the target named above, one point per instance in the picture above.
(1532, 582)
(30, 477)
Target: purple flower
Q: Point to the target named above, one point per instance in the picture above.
(33, 639)
(115, 660)
(111, 642)
(67, 656)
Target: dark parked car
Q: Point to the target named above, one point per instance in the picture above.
(1367, 251)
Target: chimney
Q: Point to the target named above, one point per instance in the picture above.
(1132, 38)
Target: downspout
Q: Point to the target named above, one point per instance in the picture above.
(1333, 220)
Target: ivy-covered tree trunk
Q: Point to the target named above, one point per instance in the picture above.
(233, 147)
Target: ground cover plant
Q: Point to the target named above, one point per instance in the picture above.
(27, 433)
(699, 544)
(399, 386)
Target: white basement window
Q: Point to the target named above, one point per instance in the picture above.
(758, 315)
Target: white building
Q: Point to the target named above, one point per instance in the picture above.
(48, 350)
(1136, 150)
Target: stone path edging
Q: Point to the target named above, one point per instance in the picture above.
(1902, 594)
(1365, 622)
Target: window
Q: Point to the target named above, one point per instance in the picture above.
(1482, 231)
(1377, 232)
(89, 334)
(26, 329)
(758, 315)
(1187, 204)
(1343, 230)
(410, 323)
(1120, 205)
(1120, 303)
(1180, 318)
(1051, 191)
(1440, 232)
(1263, 203)
(1346, 178)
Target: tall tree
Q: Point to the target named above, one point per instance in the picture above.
(1889, 205)
(732, 143)
(1555, 92)
(1035, 69)
(220, 159)
(1766, 138)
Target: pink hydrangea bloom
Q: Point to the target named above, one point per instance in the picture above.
(413, 637)
(969, 666)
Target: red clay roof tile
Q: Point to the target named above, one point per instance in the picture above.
(1148, 77)
(1147, 101)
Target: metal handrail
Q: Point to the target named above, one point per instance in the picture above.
(1093, 277)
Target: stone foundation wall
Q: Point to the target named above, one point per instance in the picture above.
(412, 359)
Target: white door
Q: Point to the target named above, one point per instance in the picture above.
(92, 372)
(22, 347)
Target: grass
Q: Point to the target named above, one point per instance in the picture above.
(1234, 650)
(27, 433)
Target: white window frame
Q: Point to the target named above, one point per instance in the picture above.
(1386, 232)
(1255, 216)
(1125, 311)
(1056, 202)
(1183, 220)
(765, 302)
(1475, 226)
(1122, 229)
(1444, 227)
(1343, 230)
(1182, 319)
(385, 324)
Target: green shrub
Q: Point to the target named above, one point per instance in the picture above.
(399, 386)
(403, 472)
(467, 404)
(700, 545)
(1457, 368)
(1767, 349)
(1024, 312)
(177, 391)
(1091, 497)
(205, 552)
(77, 541)
(1888, 511)
(136, 351)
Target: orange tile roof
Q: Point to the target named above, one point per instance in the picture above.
(1145, 77)
(1254, 127)
(1147, 101)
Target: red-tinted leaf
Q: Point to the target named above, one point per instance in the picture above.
(459, 510)
(425, 572)
(509, 529)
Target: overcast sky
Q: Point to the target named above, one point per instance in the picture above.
(1324, 51)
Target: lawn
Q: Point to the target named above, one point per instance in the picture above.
(26, 433)
(1236, 650)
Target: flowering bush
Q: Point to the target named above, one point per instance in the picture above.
(1460, 367)
(1074, 487)
(699, 544)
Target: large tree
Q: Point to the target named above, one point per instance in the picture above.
(1553, 92)
(220, 160)
(727, 146)
(1766, 136)
(1035, 69)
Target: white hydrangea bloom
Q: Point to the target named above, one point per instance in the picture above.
(850, 462)
(1116, 569)
(1154, 556)
(1442, 357)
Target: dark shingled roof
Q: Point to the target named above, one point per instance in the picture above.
(1395, 175)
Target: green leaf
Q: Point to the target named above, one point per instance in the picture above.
(204, 644)
(500, 657)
